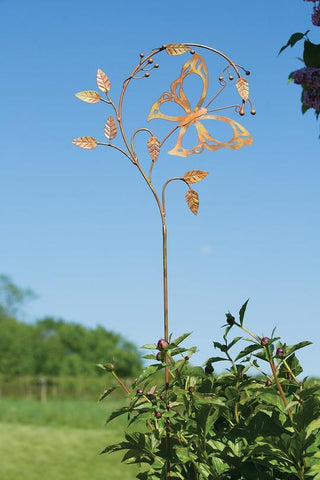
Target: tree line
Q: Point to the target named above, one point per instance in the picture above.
(55, 347)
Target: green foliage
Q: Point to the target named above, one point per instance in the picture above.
(232, 426)
(53, 347)
(12, 297)
(311, 54)
(295, 37)
(311, 59)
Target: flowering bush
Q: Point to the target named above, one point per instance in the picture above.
(231, 426)
(309, 76)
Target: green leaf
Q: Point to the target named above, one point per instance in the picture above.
(293, 364)
(180, 339)
(115, 447)
(216, 359)
(311, 54)
(227, 330)
(148, 372)
(117, 413)
(220, 346)
(242, 311)
(107, 392)
(150, 346)
(295, 37)
(314, 425)
(234, 341)
(293, 348)
(107, 367)
(247, 351)
(196, 371)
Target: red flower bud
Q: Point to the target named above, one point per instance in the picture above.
(162, 344)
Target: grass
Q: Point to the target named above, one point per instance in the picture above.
(59, 440)
(71, 413)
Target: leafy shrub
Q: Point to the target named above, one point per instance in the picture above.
(256, 420)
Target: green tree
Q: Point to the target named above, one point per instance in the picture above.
(17, 344)
(12, 297)
(54, 347)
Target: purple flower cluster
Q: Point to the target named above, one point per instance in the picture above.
(315, 17)
(311, 98)
(310, 79)
(308, 76)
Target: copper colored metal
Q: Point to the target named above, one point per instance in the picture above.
(192, 117)
(197, 66)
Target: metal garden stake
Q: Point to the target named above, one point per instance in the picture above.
(180, 123)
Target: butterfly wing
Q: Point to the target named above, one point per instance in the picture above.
(195, 65)
(240, 137)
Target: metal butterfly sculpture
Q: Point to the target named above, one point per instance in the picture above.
(197, 66)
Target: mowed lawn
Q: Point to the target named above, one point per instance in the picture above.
(58, 441)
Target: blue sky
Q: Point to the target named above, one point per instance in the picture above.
(81, 228)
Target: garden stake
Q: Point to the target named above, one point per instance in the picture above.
(195, 65)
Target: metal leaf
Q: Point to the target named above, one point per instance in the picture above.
(176, 48)
(89, 96)
(103, 81)
(153, 145)
(110, 129)
(88, 143)
(243, 88)
(194, 176)
(192, 199)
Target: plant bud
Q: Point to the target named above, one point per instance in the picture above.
(159, 356)
(208, 369)
(279, 352)
(158, 414)
(230, 319)
(162, 344)
(191, 389)
(139, 392)
(268, 383)
(264, 341)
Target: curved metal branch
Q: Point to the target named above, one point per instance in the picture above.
(110, 102)
(236, 107)
(143, 129)
(165, 186)
(123, 91)
(217, 94)
(117, 148)
(169, 134)
(215, 51)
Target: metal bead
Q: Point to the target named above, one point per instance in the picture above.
(220, 78)
(230, 77)
(147, 74)
(192, 52)
(141, 55)
(253, 111)
(247, 72)
(156, 65)
(150, 60)
(164, 46)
